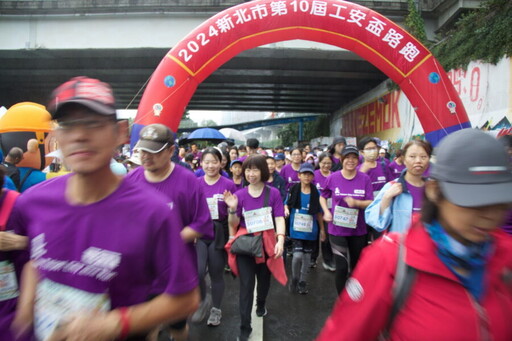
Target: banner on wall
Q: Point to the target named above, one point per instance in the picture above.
(485, 90)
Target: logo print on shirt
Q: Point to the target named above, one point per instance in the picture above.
(171, 205)
(337, 191)
(38, 246)
(101, 258)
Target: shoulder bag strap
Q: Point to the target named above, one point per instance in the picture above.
(25, 177)
(6, 209)
(404, 278)
(267, 196)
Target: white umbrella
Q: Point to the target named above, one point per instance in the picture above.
(234, 134)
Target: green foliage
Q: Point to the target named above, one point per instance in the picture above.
(414, 23)
(483, 34)
(313, 129)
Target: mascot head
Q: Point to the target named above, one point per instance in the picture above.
(27, 125)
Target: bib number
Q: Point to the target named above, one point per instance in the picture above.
(303, 222)
(213, 206)
(55, 302)
(345, 217)
(8, 282)
(259, 220)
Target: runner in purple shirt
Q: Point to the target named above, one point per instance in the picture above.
(181, 188)
(290, 172)
(13, 256)
(98, 242)
(210, 253)
(397, 166)
(351, 192)
(236, 174)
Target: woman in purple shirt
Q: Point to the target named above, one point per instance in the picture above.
(247, 213)
(395, 204)
(397, 166)
(210, 253)
(351, 192)
(290, 172)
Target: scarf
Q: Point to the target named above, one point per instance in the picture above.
(473, 258)
(314, 199)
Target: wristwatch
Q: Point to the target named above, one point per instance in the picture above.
(232, 212)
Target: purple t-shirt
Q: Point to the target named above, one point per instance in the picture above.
(319, 180)
(335, 160)
(120, 246)
(337, 188)
(217, 191)
(417, 196)
(290, 176)
(378, 175)
(184, 196)
(240, 185)
(248, 203)
(507, 225)
(396, 169)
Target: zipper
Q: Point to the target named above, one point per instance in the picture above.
(483, 320)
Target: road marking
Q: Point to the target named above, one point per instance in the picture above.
(256, 321)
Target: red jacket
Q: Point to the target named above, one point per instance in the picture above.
(437, 308)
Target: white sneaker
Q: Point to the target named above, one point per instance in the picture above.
(215, 316)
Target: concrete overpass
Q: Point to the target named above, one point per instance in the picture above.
(44, 43)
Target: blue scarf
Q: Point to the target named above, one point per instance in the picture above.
(473, 258)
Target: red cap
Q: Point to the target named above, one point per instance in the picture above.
(89, 92)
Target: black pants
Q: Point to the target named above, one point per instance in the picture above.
(248, 272)
(346, 251)
(325, 247)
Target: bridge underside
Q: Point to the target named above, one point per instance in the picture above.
(262, 79)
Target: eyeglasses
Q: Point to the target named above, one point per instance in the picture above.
(88, 124)
(326, 163)
(369, 149)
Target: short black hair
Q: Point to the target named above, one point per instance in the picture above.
(365, 140)
(257, 161)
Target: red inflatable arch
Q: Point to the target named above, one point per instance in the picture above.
(344, 24)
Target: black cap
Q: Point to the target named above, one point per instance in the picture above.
(350, 149)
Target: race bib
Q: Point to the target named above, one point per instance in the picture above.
(345, 217)
(303, 222)
(55, 302)
(213, 206)
(258, 220)
(8, 282)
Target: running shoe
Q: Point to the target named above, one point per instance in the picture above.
(203, 309)
(215, 316)
(292, 287)
(261, 311)
(328, 267)
(302, 288)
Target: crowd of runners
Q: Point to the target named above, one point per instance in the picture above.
(420, 248)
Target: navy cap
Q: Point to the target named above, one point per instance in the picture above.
(279, 156)
(307, 167)
(234, 161)
(350, 149)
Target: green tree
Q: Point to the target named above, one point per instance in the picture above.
(186, 121)
(483, 34)
(414, 23)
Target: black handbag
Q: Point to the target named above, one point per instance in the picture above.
(250, 244)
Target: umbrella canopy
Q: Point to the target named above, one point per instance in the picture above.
(234, 134)
(206, 134)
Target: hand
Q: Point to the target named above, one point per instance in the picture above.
(351, 202)
(231, 200)
(323, 237)
(394, 190)
(85, 327)
(22, 324)
(286, 212)
(10, 241)
(279, 248)
(327, 216)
